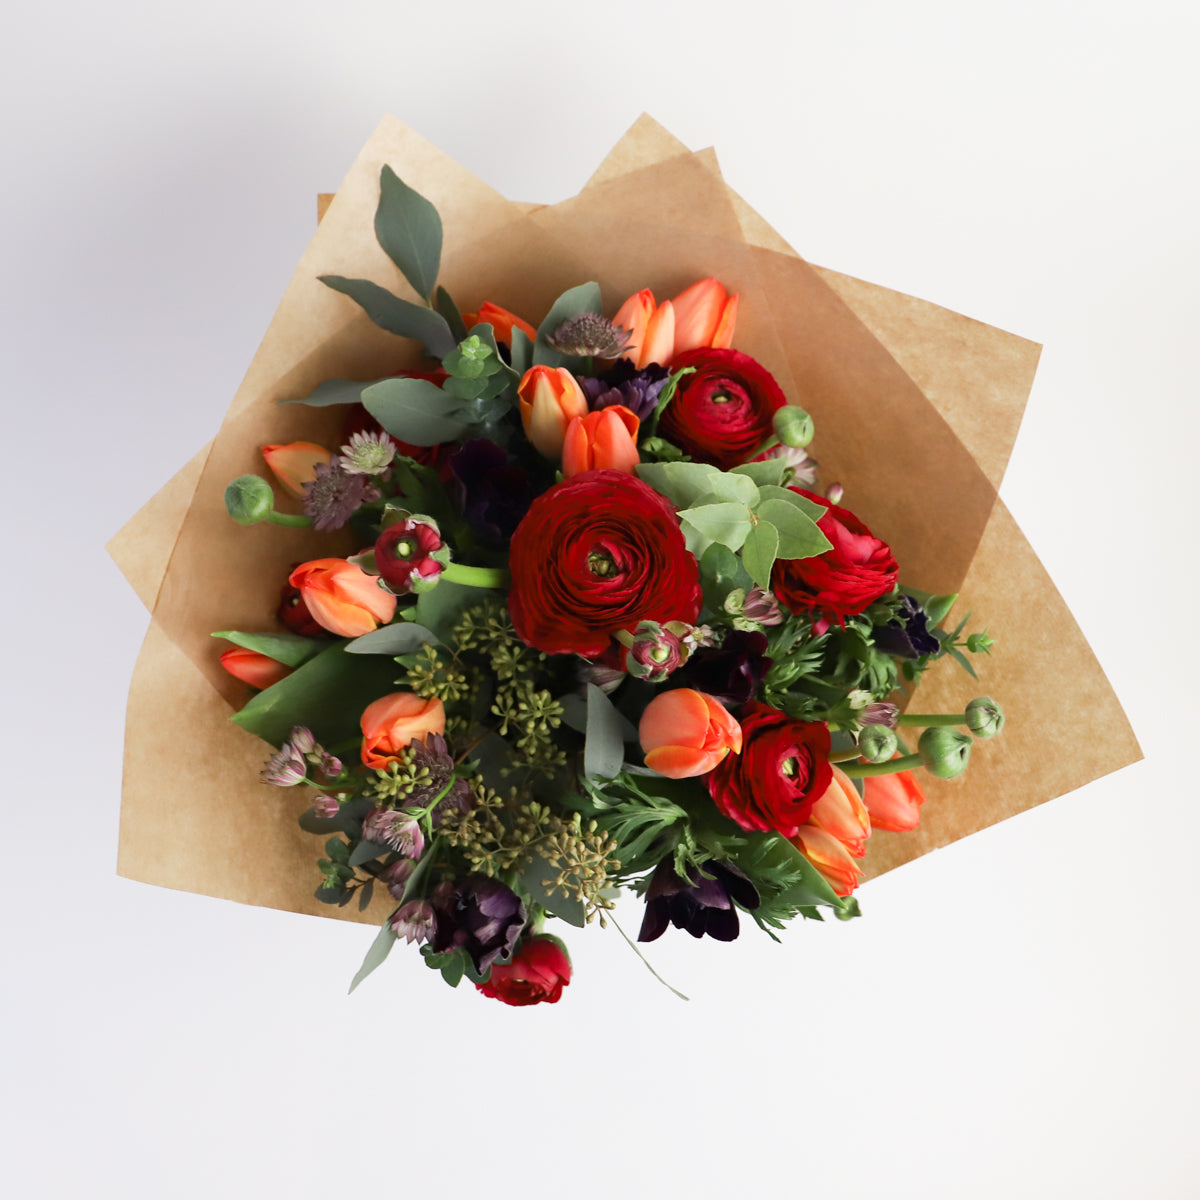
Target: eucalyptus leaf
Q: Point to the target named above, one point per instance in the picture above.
(720, 572)
(521, 351)
(366, 852)
(450, 313)
(760, 551)
(410, 231)
(334, 391)
(401, 638)
(414, 410)
(380, 948)
(288, 648)
(604, 748)
(726, 523)
(797, 501)
(581, 299)
(768, 473)
(325, 694)
(799, 536)
(365, 893)
(725, 485)
(397, 316)
(682, 483)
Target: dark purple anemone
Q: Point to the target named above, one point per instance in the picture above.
(491, 493)
(907, 636)
(730, 672)
(701, 904)
(624, 384)
(479, 915)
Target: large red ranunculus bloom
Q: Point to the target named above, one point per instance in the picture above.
(538, 972)
(776, 779)
(595, 554)
(724, 411)
(852, 574)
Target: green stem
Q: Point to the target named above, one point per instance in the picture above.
(928, 720)
(769, 444)
(480, 577)
(863, 770)
(278, 518)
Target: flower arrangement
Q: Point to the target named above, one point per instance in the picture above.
(596, 628)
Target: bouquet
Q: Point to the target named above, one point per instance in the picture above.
(575, 611)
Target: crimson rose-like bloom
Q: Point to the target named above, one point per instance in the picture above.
(597, 553)
(776, 779)
(851, 575)
(724, 411)
(538, 972)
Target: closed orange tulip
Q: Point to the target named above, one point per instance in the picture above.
(830, 857)
(391, 722)
(601, 440)
(840, 811)
(295, 464)
(652, 329)
(686, 733)
(342, 597)
(894, 801)
(705, 315)
(550, 398)
(501, 320)
(258, 670)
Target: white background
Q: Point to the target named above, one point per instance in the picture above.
(1014, 1017)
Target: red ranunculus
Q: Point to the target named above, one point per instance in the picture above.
(776, 779)
(724, 412)
(539, 971)
(851, 575)
(595, 554)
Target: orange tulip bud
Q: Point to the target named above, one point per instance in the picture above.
(253, 668)
(705, 315)
(295, 464)
(391, 722)
(652, 329)
(684, 733)
(894, 801)
(342, 597)
(501, 321)
(550, 399)
(840, 811)
(601, 440)
(830, 857)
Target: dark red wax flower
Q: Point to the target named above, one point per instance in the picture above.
(724, 411)
(539, 971)
(852, 574)
(597, 553)
(776, 779)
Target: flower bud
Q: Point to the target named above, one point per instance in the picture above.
(877, 743)
(258, 670)
(834, 493)
(342, 597)
(602, 440)
(325, 806)
(285, 768)
(302, 740)
(249, 499)
(830, 857)
(893, 801)
(980, 642)
(391, 722)
(985, 718)
(761, 607)
(397, 875)
(793, 426)
(944, 751)
(655, 653)
(501, 320)
(705, 315)
(685, 733)
(413, 921)
(386, 827)
(840, 811)
(549, 398)
(879, 713)
(651, 327)
(295, 464)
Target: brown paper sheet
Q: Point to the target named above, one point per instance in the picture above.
(916, 409)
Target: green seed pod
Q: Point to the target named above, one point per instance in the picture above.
(793, 426)
(944, 751)
(877, 743)
(985, 718)
(249, 499)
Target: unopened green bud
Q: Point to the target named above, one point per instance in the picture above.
(793, 426)
(944, 751)
(985, 718)
(249, 499)
(877, 743)
(977, 642)
(937, 608)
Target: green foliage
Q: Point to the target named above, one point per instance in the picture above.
(379, 949)
(415, 410)
(604, 747)
(397, 316)
(788, 884)
(581, 299)
(401, 638)
(288, 648)
(760, 551)
(451, 313)
(410, 231)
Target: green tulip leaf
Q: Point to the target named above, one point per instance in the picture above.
(759, 552)
(288, 648)
(410, 231)
(397, 316)
(581, 299)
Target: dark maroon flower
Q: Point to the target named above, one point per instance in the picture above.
(492, 494)
(293, 612)
(478, 915)
(907, 634)
(701, 904)
(624, 384)
(730, 672)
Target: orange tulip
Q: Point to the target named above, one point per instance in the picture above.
(295, 464)
(652, 329)
(830, 857)
(391, 722)
(705, 315)
(253, 668)
(550, 398)
(501, 321)
(840, 811)
(684, 733)
(601, 440)
(894, 801)
(342, 597)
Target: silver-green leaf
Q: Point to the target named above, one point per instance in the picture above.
(410, 231)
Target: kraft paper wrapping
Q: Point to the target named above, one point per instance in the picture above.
(916, 411)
